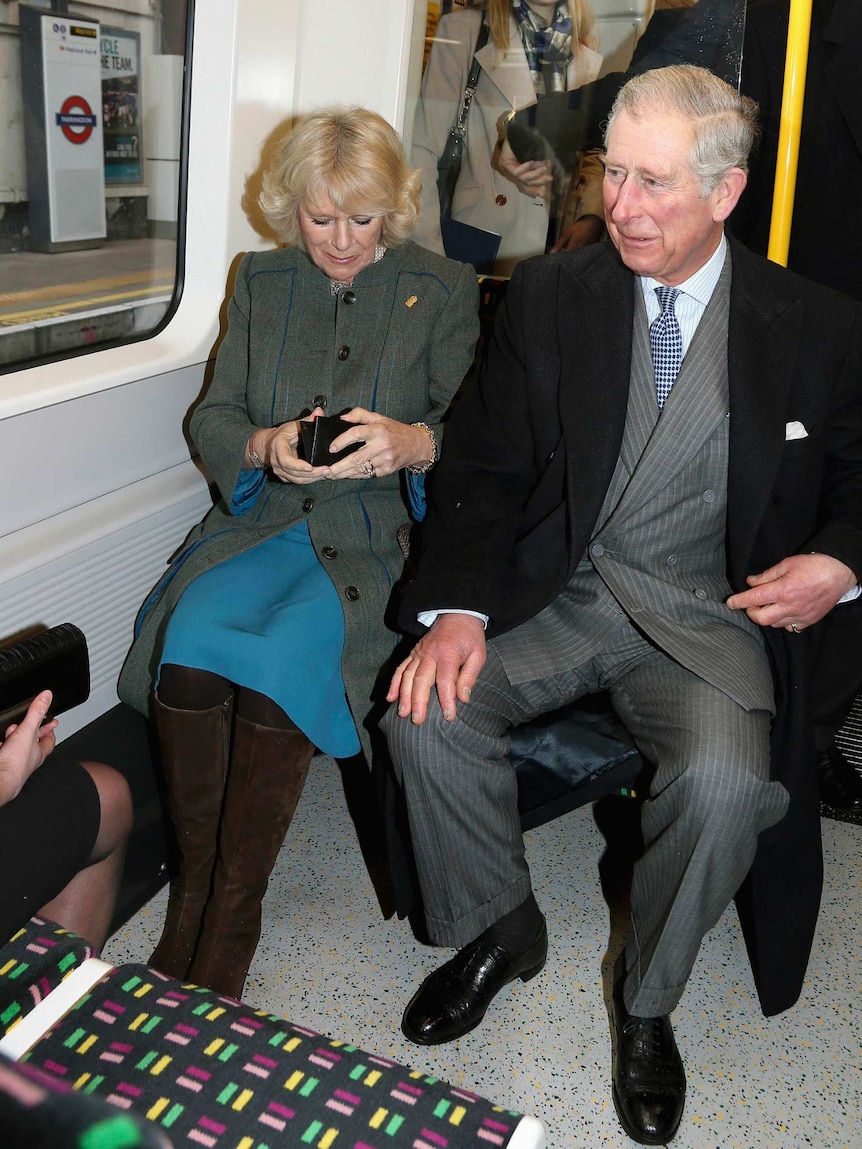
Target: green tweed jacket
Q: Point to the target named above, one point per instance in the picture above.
(400, 343)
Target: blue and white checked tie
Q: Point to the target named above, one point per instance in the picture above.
(665, 340)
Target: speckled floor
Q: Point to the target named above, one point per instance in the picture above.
(330, 961)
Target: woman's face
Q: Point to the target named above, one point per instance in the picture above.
(338, 243)
(543, 8)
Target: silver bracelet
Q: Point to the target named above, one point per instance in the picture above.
(253, 456)
(423, 468)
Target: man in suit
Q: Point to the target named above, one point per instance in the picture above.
(674, 555)
(830, 157)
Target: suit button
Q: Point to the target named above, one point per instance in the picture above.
(319, 401)
(330, 553)
(709, 496)
(349, 297)
(343, 352)
(672, 560)
(597, 550)
(351, 593)
(308, 505)
(501, 201)
(701, 594)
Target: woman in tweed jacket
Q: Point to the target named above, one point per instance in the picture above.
(266, 636)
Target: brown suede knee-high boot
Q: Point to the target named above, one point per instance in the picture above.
(194, 749)
(267, 771)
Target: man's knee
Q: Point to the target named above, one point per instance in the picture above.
(409, 744)
(728, 803)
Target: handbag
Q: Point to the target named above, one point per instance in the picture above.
(317, 435)
(54, 659)
(449, 164)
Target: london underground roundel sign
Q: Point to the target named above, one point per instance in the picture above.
(76, 119)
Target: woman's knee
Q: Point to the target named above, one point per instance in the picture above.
(117, 812)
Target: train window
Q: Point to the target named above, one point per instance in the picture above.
(534, 84)
(91, 160)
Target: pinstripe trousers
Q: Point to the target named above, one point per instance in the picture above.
(709, 798)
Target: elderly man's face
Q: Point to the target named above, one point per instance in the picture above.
(654, 211)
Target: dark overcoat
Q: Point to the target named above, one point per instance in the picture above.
(530, 453)
(399, 344)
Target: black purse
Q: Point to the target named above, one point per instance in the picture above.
(55, 659)
(449, 164)
(317, 435)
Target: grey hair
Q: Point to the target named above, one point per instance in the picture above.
(725, 122)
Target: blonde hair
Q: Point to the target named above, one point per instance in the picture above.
(350, 156)
(500, 13)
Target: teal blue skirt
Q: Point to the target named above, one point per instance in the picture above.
(271, 620)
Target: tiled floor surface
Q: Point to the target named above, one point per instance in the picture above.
(329, 960)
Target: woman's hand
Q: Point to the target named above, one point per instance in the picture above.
(278, 447)
(387, 446)
(26, 747)
(533, 178)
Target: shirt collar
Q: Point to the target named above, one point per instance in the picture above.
(699, 286)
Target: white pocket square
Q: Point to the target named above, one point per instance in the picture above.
(795, 430)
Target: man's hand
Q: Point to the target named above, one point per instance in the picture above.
(795, 593)
(26, 747)
(449, 657)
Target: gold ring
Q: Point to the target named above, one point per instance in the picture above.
(794, 628)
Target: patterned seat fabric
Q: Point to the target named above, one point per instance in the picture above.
(214, 1073)
(32, 963)
(38, 1113)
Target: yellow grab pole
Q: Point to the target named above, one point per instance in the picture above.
(795, 68)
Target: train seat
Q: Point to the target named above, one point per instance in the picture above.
(202, 1068)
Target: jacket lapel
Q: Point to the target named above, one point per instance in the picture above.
(510, 72)
(595, 317)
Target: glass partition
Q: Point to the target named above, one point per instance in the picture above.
(91, 98)
(508, 129)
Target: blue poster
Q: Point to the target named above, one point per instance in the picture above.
(121, 110)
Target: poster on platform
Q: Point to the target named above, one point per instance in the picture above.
(61, 88)
(121, 105)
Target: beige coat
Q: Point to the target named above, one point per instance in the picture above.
(410, 331)
(483, 197)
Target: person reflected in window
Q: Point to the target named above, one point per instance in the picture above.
(535, 48)
(64, 827)
(267, 637)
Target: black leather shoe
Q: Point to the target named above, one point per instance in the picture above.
(452, 1000)
(839, 782)
(649, 1079)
